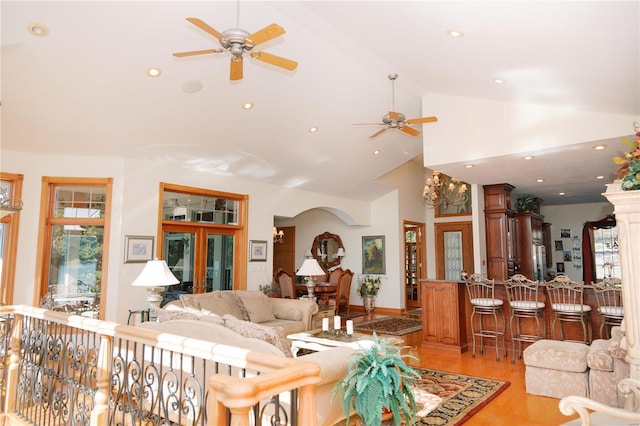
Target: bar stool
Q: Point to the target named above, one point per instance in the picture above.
(567, 304)
(481, 293)
(524, 303)
(609, 299)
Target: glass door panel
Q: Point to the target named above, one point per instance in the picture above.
(453, 261)
(179, 253)
(219, 274)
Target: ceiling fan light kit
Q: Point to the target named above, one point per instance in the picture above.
(396, 120)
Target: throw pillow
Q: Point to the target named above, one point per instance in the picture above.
(234, 305)
(257, 305)
(190, 303)
(171, 314)
(212, 318)
(272, 335)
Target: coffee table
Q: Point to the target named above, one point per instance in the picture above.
(318, 340)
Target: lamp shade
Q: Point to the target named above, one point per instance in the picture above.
(340, 252)
(310, 267)
(155, 273)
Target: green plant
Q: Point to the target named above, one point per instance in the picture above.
(629, 171)
(526, 203)
(379, 379)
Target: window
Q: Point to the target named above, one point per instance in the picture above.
(10, 189)
(606, 254)
(75, 215)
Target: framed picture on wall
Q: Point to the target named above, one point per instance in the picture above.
(137, 249)
(559, 246)
(257, 251)
(373, 255)
(560, 267)
(565, 233)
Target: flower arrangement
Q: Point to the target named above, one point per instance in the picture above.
(369, 285)
(629, 170)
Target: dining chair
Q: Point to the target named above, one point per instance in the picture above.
(567, 304)
(343, 291)
(286, 283)
(484, 304)
(609, 300)
(524, 303)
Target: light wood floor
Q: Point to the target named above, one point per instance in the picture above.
(513, 406)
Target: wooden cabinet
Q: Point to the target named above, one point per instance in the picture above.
(443, 314)
(529, 230)
(500, 231)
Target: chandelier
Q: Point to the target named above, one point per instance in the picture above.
(444, 190)
(278, 236)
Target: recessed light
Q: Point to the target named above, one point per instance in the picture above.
(376, 152)
(528, 157)
(468, 166)
(599, 147)
(313, 129)
(37, 29)
(154, 72)
(539, 180)
(561, 193)
(455, 33)
(498, 81)
(247, 105)
(600, 177)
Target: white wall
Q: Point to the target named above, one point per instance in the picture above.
(134, 212)
(571, 217)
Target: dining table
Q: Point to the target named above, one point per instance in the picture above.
(323, 290)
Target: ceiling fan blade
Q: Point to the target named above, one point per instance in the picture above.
(195, 52)
(236, 68)
(379, 132)
(205, 27)
(265, 34)
(394, 115)
(422, 120)
(275, 60)
(409, 130)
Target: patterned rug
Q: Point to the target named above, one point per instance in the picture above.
(415, 312)
(396, 326)
(462, 396)
(450, 398)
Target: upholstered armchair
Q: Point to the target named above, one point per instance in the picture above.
(607, 368)
(597, 413)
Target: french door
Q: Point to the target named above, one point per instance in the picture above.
(414, 269)
(201, 258)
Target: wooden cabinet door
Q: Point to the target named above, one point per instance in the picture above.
(441, 313)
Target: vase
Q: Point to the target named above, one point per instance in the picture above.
(369, 302)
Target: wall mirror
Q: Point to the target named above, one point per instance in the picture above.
(325, 249)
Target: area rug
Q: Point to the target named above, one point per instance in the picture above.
(462, 396)
(450, 398)
(396, 326)
(415, 312)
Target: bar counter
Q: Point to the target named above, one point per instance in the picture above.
(446, 312)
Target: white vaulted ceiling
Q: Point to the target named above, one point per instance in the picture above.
(83, 90)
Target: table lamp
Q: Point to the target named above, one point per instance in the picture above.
(155, 275)
(310, 267)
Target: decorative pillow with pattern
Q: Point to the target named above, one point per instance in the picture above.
(272, 335)
(171, 314)
(257, 305)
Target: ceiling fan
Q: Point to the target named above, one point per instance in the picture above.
(237, 41)
(396, 120)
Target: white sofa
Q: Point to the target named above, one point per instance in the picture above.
(293, 315)
(333, 362)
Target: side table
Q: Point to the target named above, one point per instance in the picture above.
(324, 311)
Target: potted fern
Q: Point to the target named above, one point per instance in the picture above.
(379, 384)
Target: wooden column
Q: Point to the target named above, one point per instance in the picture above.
(627, 211)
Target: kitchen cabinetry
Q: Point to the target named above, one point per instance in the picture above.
(531, 258)
(443, 314)
(500, 231)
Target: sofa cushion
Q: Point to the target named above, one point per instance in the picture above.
(288, 327)
(557, 355)
(235, 305)
(257, 305)
(190, 303)
(272, 335)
